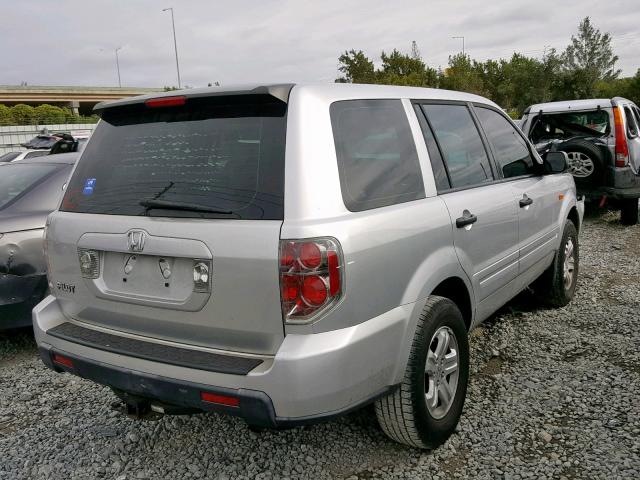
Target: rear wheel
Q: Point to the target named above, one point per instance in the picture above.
(425, 409)
(557, 285)
(629, 211)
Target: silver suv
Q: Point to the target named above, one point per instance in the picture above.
(290, 253)
(602, 140)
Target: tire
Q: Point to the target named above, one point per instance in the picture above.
(586, 161)
(551, 287)
(403, 415)
(629, 211)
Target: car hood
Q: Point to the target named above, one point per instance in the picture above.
(19, 221)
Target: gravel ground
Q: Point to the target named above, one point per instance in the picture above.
(553, 394)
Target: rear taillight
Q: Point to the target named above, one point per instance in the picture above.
(311, 277)
(622, 148)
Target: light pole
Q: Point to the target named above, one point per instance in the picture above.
(175, 43)
(118, 67)
(458, 38)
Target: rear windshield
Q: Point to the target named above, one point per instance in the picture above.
(17, 179)
(550, 126)
(213, 157)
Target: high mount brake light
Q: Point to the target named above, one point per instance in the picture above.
(311, 277)
(166, 101)
(622, 148)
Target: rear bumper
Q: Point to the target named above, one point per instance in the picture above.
(621, 183)
(311, 378)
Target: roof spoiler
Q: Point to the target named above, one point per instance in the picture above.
(281, 92)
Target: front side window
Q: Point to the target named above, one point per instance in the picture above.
(461, 145)
(213, 157)
(509, 148)
(377, 157)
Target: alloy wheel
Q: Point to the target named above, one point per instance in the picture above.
(580, 164)
(569, 264)
(441, 372)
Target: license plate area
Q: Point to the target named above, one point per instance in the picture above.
(148, 276)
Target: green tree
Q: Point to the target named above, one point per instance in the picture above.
(48, 114)
(22, 114)
(587, 60)
(6, 118)
(463, 74)
(356, 67)
(402, 69)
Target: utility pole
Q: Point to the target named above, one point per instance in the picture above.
(458, 38)
(175, 43)
(118, 67)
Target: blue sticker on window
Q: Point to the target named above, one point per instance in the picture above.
(89, 185)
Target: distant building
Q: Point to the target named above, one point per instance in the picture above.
(79, 99)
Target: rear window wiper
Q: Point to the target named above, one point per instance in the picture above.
(184, 206)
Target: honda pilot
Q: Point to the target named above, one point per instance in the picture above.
(289, 253)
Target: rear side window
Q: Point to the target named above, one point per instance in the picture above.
(509, 148)
(632, 127)
(461, 145)
(213, 157)
(377, 156)
(18, 179)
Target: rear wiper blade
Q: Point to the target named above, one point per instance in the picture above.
(184, 206)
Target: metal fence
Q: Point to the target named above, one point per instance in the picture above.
(12, 136)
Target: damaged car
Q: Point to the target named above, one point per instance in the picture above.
(29, 191)
(601, 138)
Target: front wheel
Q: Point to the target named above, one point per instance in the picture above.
(629, 211)
(424, 411)
(557, 285)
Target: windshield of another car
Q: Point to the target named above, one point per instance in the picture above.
(550, 126)
(17, 179)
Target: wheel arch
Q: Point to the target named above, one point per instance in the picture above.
(574, 216)
(455, 289)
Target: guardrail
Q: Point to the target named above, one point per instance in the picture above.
(12, 136)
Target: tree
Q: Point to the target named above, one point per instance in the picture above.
(401, 69)
(463, 74)
(587, 60)
(22, 114)
(48, 114)
(356, 67)
(6, 118)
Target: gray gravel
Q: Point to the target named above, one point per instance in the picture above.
(553, 394)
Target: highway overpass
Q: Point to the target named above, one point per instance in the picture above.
(79, 99)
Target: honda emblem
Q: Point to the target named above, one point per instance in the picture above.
(135, 240)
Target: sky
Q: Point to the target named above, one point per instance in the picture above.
(72, 42)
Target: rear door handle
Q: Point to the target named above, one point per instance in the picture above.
(467, 218)
(525, 201)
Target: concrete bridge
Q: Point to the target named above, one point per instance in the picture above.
(79, 99)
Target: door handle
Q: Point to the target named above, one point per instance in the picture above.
(525, 201)
(467, 218)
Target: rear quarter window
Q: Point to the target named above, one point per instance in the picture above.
(376, 153)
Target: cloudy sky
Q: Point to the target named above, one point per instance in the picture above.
(72, 42)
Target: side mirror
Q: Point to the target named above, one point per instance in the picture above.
(555, 162)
